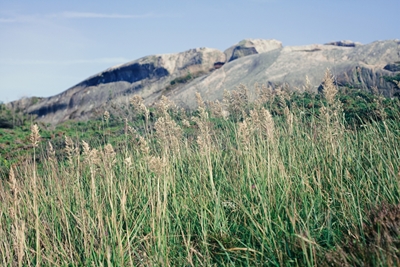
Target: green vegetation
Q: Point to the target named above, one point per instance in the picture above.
(184, 79)
(293, 179)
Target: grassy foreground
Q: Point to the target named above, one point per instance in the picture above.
(295, 188)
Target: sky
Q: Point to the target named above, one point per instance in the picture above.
(48, 46)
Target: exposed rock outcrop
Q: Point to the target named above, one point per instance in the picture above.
(345, 43)
(148, 76)
(250, 47)
(210, 71)
(360, 67)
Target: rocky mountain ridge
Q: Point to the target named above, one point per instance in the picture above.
(210, 71)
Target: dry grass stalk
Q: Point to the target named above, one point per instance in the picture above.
(264, 95)
(244, 133)
(164, 105)
(329, 89)
(267, 124)
(186, 123)
(157, 165)
(13, 183)
(90, 156)
(282, 96)
(216, 109)
(140, 108)
(289, 119)
(325, 115)
(70, 149)
(126, 126)
(200, 102)
(34, 136)
(237, 100)
(168, 132)
(204, 137)
(138, 104)
(308, 87)
(128, 162)
(131, 130)
(106, 116)
(109, 154)
(20, 244)
(51, 154)
(86, 152)
(143, 147)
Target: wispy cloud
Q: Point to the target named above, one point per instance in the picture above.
(17, 19)
(78, 15)
(90, 15)
(113, 60)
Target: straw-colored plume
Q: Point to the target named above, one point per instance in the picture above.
(264, 95)
(34, 136)
(51, 154)
(128, 162)
(168, 132)
(329, 88)
(289, 119)
(282, 96)
(186, 123)
(106, 116)
(216, 109)
(109, 153)
(157, 165)
(307, 87)
(200, 102)
(13, 182)
(143, 147)
(163, 105)
(204, 137)
(86, 152)
(138, 103)
(244, 134)
(237, 100)
(267, 124)
(69, 149)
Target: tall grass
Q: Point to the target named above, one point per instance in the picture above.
(248, 190)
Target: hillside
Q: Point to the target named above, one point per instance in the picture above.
(210, 72)
(293, 179)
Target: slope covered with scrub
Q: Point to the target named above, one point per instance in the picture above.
(293, 179)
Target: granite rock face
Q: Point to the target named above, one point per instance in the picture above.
(210, 71)
(147, 76)
(363, 66)
(250, 47)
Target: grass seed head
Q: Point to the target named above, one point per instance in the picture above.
(200, 102)
(329, 88)
(69, 149)
(51, 154)
(106, 116)
(34, 136)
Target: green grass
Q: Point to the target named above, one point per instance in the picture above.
(323, 190)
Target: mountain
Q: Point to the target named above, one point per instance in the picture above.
(210, 71)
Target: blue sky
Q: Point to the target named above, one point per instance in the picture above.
(48, 46)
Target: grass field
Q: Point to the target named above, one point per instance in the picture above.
(289, 180)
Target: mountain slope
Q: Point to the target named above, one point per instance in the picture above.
(210, 71)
